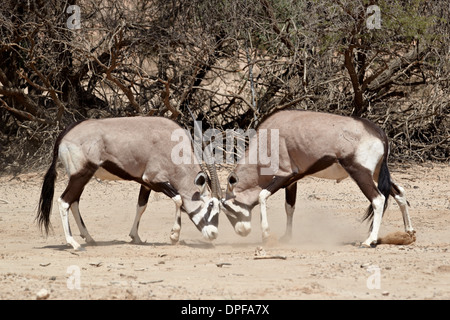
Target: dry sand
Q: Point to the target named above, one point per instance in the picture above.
(322, 261)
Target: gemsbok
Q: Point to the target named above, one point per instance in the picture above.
(320, 145)
(129, 148)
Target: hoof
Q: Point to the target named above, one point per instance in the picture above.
(88, 239)
(373, 244)
(412, 234)
(174, 237)
(75, 245)
(79, 248)
(136, 240)
(91, 242)
(174, 240)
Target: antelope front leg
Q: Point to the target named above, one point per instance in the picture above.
(144, 194)
(175, 232)
(289, 205)
(263, 195)
(275, 185)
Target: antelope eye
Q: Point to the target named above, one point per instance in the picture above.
(210, 204)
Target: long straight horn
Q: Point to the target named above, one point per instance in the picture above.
(210, 164)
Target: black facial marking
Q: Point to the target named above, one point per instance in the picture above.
(191, 214)
(215, 220)
(236, 216)
(208, 212)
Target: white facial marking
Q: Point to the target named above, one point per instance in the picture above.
(215, 210)
(236, 208)
(210, 232)
(243, 228)
(197, 217)
(212, 215)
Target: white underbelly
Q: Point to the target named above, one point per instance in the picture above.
(333, 172)
(102, 174)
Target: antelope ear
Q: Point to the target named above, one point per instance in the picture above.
(232, 181)
(201, 181)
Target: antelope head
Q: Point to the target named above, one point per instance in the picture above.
(238, 212)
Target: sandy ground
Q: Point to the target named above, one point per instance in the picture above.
(323, 260)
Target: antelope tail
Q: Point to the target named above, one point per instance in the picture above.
(47, 192)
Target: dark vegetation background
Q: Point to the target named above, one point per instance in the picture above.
(231, 61)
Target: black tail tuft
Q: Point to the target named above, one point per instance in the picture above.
(46, 199)
(48, 190)
(384, 185)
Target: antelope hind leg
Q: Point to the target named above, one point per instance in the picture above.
(64, 212)
(144, 194)
(399, 196)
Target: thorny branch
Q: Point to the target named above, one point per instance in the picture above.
(232, 62)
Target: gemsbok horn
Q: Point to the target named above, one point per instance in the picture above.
(320, 145)
(129, 148)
